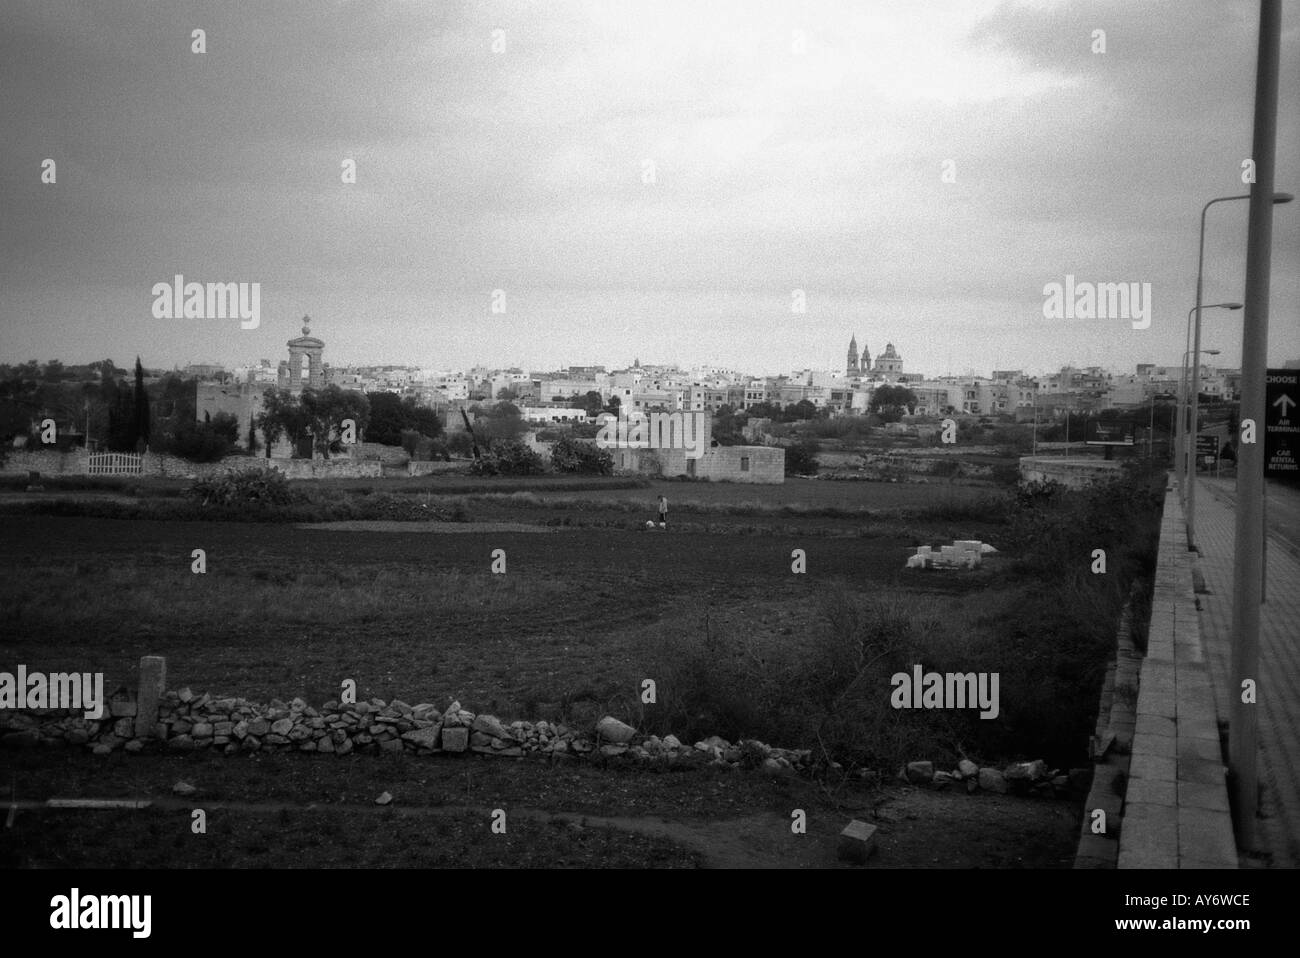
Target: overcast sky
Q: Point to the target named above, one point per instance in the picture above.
(775, 168)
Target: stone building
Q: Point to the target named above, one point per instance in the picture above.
(244, 400)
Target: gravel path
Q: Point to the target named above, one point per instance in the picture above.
(385, 525)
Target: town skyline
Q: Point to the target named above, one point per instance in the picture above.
(579, 182)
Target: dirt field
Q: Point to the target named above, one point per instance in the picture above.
(571, 614)
(571, 627)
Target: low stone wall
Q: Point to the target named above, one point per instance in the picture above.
(183, 721)
(19, 462)
(155, 465)
(1072, 473)
(437, 468)
(152, 719)
(388, 455)
(328, 468)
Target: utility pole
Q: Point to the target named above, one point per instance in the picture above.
(1248, 564)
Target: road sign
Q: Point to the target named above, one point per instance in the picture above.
(1282, 422)
(1108, 433)
(1207, 444)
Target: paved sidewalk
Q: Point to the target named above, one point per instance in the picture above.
(1279, 681)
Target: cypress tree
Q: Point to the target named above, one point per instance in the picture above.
(140, 412)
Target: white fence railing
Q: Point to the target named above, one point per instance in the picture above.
(114, 464)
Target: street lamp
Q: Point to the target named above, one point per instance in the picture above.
(1192, 430)
(1181, 435)
(1278, 198)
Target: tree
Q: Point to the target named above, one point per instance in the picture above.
(140, 425)
(727, 427)
(203, 441)
(502, 422)
(803, 409)
(613, 405)
(122, 429)
(592, 403)
(506, 393)
(282, 416)
(891, 403)
(391, 415)
(801, 458)
(325, 411)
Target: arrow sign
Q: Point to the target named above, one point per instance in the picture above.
(1281, 433)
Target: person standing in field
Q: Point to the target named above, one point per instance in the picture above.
(663, 513)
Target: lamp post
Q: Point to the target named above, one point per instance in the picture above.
(1190, 430)
(1249, 540)
(1196, 349)
(1180, 444)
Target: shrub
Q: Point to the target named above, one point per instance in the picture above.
(201, 441)
(575, 455)
(831, 693)
(508, 457)
(246, 487)
(801, 458)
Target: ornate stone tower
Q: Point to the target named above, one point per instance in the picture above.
(851, 367)
(303, 370)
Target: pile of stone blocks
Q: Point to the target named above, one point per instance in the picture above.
(962, 554)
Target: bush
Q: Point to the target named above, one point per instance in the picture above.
(459, 443)
(831, 694)
(410, 441)
(201, 441)
(801, 458)
(245, 488)
(508, 457)
(575, 455)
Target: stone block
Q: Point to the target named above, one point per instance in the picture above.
(612, 730)
(920, 773)
(857, 842)
(455, 739)
(991, 780)
(153, 685)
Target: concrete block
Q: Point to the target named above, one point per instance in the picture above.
(1199, 750)
(1206, 835)
(1202, 795)
(1151, 791)
(857, 842)
(1150, 766)
(1149, 838)
(1158, 746)
(1207, 773)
